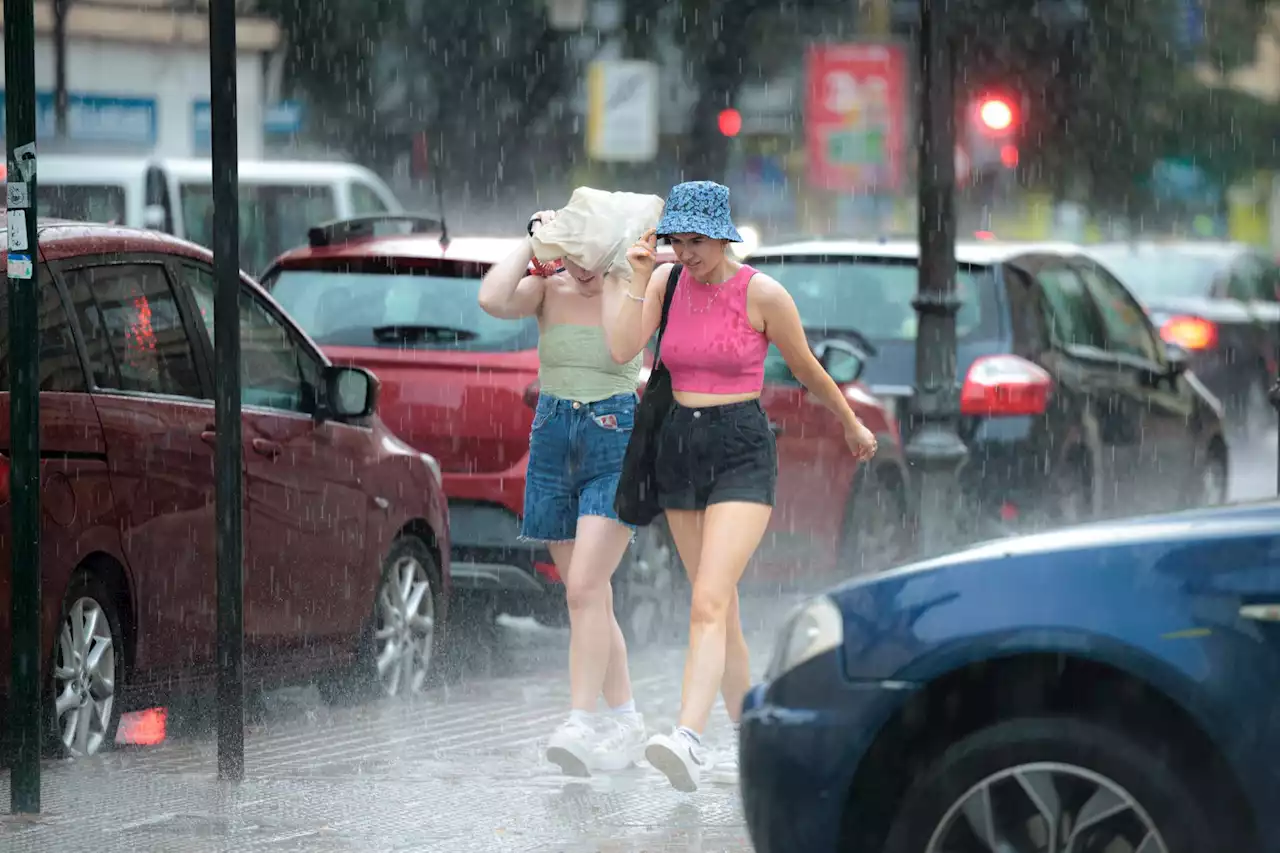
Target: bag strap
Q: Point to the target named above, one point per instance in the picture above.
(666, 310)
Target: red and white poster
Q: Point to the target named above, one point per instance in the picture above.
(856, 116)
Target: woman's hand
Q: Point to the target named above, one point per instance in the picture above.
(643, 254)
(539, 219)
(861, 441)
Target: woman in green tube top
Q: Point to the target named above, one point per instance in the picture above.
(583, 421)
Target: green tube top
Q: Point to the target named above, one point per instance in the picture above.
(574, 364)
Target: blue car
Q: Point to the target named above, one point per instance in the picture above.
(1113, 687)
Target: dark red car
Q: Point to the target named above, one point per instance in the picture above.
(461, 384)
(346, 527)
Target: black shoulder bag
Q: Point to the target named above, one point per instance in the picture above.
(636, 501)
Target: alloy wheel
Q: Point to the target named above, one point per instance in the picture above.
(1046, 808)
(405, 631)
(84, 679)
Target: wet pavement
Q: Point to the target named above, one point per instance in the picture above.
(456, 770)
(459, 769)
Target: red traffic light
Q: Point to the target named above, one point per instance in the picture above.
(730, 122)
(995, 114)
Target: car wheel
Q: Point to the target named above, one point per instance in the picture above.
(1052, 784)
(88, 669)
(398, 652)
(648, 587)
(877, 533)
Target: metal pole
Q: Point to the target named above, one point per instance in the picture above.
(935, 451)
(25, 706)
(229, 456)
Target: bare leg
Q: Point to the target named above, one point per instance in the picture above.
(730, 535)
(617, 678)
(687, 531)
(736, 680)
(597, 551)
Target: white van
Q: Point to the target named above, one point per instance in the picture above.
(279, 199)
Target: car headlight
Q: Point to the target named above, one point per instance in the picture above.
(814, 628)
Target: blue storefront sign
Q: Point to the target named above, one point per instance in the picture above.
(280, 119)
(100, 119)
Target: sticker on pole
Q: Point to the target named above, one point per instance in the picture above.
(20, 266)
(19, 195)
(25, 157)
(17, 231)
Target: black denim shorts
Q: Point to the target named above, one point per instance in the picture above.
(715, 455)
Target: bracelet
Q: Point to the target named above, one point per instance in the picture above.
(633, 297)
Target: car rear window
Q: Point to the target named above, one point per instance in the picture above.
(417, 307)
(82, 202)
(873, 295)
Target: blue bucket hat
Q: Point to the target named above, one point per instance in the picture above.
(698, 207)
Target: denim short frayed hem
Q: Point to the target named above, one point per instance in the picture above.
(575, 460)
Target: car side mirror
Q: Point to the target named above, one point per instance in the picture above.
(351, 392)
(842, 361)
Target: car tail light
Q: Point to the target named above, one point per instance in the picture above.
(1193, 333)
(548, 571)
(531, 394)
(1005, 385)
(4, 479)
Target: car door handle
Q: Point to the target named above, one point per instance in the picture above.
(209, 437)
(266, 448)
(775, 428)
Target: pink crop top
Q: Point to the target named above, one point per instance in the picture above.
(709, 345)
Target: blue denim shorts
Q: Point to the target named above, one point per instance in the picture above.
(575, 459)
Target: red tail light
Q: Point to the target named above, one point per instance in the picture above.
(1193, 333)
(4, 479)
(1005, 386)
(531, 394)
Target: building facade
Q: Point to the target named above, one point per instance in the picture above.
(137, 79)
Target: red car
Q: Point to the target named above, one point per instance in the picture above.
(346, 527)
(461, 385)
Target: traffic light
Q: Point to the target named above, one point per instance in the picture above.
(994, 125)
(730, 122)
(996, 115)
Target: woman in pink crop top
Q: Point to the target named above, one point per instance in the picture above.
(716, 466)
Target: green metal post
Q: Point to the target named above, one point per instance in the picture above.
(25, 706)
(228, 454)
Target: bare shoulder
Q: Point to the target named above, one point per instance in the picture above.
(765, 290)
(658, 281)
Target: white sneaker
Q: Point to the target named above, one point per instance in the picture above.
(679, 758)
(570, 746)
(621, 744)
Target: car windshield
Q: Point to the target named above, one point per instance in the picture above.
(1152, 275)
(873, 296)
(435, 307)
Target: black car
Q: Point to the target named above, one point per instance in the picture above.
(1220, 302)
(1071, 405)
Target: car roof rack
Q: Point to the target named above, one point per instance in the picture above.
(358, 227)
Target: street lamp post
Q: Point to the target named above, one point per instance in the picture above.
(25, 726)
(935, 450)
(228, 494)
